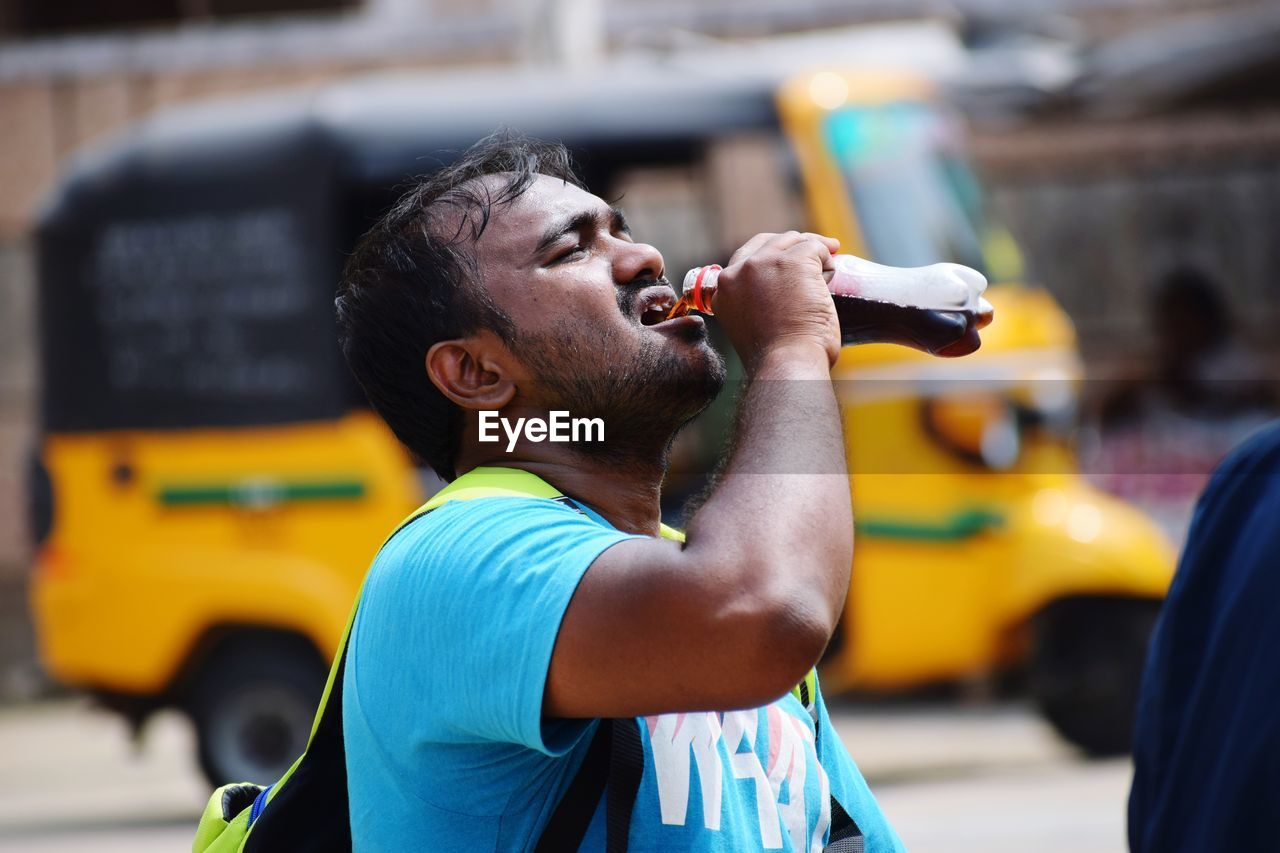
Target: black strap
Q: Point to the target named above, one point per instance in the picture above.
(568, 824)
(615, 756)
(626, 765)
(570, 503)
(237, 798)
(310, 812)
(844, 837)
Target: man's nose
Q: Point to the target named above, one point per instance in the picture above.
(637, 261)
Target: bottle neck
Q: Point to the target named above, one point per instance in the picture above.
(699, 287)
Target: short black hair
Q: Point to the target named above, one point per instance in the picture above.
(413, 281)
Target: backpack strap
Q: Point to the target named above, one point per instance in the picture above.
(569, 822)
(612, 768)
(314, 790)
(626, 765)
(844, 835)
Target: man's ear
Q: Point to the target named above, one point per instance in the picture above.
(470, 372)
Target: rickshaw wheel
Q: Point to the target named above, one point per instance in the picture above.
(252, 705)
(1086, 668)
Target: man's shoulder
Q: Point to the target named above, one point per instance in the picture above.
(1258, 454)
(1245, 480)
(462, 537)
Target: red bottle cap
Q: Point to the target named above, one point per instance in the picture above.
(696, 296)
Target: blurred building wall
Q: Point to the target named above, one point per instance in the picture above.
(17, 391)
(1103, 209)
(59, 91)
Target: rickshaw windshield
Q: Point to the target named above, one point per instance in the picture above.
(916, 200)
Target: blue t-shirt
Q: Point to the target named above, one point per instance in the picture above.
(446, 745)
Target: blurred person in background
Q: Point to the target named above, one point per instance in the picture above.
(1207, 735)
(1200, 368)
(1202, 392)
(495, 634)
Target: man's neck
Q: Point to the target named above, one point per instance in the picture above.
(626, 492)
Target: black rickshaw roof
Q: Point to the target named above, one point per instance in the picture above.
(385, 127)
(188, 265)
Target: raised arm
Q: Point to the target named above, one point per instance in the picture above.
(736, 616)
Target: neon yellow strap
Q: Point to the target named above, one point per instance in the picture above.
(490, 483)
(807, 693)
(504, 482)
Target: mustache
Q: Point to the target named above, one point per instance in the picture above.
(627, 296)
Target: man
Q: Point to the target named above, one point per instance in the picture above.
(494, 634)
(1206, 744)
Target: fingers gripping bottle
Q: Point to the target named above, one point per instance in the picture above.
(937, 309)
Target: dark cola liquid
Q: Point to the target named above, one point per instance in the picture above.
(944, 333)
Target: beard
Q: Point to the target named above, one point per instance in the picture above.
(644, 400)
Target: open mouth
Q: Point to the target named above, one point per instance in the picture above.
(656, 306)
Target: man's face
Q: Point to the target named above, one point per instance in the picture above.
(589, 307)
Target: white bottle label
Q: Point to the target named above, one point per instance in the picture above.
(937, 287)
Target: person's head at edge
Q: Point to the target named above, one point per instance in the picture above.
(501, 284)
(1191, 320)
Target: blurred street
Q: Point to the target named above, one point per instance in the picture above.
(951, 778)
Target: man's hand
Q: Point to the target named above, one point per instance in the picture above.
(773, 296)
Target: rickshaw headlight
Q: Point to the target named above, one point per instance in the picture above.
(982, 428)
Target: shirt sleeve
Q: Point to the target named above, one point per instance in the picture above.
(460, 616)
